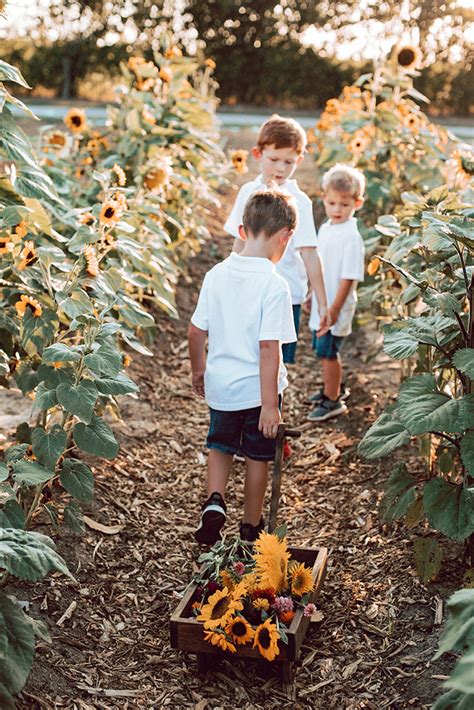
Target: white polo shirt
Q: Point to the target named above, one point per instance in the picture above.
(242, 301)
(341, 250)
(291, 267)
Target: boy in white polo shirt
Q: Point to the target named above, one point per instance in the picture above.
(244, 312)
(341, 249)
(281, 143)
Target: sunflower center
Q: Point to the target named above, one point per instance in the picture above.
(239, 628)
(220, 608)
(109, 212)
(264, 638)
(76, 120)
(406, 57)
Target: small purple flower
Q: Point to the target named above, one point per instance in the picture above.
(212, 586)
(309, 609)
(283, 604)
(239, 568)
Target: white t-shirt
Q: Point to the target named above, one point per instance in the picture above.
(242, 301)
(341, 250)
(291, 267)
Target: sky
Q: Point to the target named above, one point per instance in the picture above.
(366, 40)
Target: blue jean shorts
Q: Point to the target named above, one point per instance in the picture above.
(328, 345)
(231, 432)
(289, 349)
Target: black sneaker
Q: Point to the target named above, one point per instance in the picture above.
(249, 533)
(318, 396)
(212, 519)
(327, 409)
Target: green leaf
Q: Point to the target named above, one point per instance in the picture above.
(384, 436)
(74, 304)
(106, 360)
(459, 631)
(60, 353)
(454, 700)
(96, 438)
(16, 452)
(45, 398)
(12, 515)
(29, 555)
(77, 479)
(73, 518)
(422, 408)
(462, 677)
(18, 641)
(464, 361)
(9, 73)
(428, 558)
(467, 451)
(78, 399)
(48, 446)
(30, 473)
(399, 495)
(449, 508)
(398, 341)
(116, 385)
(3, 472)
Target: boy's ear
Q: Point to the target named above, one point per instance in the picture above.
(256, 152)
(286, 235)
(242, 234)
(300, 158)
(359, 202)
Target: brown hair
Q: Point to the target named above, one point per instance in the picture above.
(268, 211)
(345, 179)
(282, 133)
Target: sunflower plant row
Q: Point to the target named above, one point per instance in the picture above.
(244, 597)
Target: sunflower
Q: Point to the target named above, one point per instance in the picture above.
(220, 607)
(28, 302)
(173, 52)
(301, 580)
(219, 640)
(358, 144)
(57, 139)
(145, 84)
(332, 106)
(121, 200)
(4, 244)
(119, 172)
(87, 218)
(227, 580)
(158, 176)
(266, 640)
(407, 57)
(28, 255)
(260, 603)
(93, 146)
(239, 630)
(135, 62)
(76, 120)
(92, 263)
(110, 213)
(20, 231)
(239, 161)
(412, 122)
(210, 63)
(464, 162)
(373, 266)
(271, 561)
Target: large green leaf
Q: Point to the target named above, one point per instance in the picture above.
(96, 438)
(9, 73)
(399, 494)
(398, 341)
(462, 677)
(59, 352)
(464, 361)
(48, 446)
(401, 339)
(30, 473)
(78, 399)
(454, 700)
(449, 508)
(106, 360)
(73, 517)
(3, 472)
(428, 558)
(74, 304)
(459, 632)
(116, 385)
(422, 408)
(77, 479)
(467, 451)
(15, 142)
(384, 436)
(45, 398)
(18, 640)
(12, 515)
(29, 555)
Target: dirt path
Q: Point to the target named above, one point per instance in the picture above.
(374, 646)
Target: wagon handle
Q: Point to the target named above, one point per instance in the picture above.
(282, 433)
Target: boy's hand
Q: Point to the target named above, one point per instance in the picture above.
(197, 380)
(334, 313)
(307, 304)
(325, 321)
(270, 418)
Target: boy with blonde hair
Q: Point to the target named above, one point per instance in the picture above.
(244, 312)
(281, 144)
(341, 250)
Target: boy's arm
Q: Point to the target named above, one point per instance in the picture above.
(314, 270)
(197, 346)
(270, 416)
(343, 291)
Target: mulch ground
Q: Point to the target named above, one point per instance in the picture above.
(380, 626)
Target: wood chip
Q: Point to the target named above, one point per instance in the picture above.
(100, 527)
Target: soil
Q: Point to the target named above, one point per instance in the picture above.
(373, 647)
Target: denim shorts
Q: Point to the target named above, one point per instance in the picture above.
(328, 345)
(231, 432)
(289, 349)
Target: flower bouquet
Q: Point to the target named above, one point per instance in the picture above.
(250, 600)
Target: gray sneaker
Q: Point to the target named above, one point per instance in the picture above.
(326, 409)
(317, 397)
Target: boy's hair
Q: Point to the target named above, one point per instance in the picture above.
(282, 133)
(345, 179)
(268, 211)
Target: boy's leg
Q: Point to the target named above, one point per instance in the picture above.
(329, 405)
(332, 377)
(288, 350)
(218, 470)
(256, 477)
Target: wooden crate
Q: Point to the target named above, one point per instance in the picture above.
(187, 634)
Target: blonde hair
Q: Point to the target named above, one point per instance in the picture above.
(282, 133)
(268, 211)
(345, 179)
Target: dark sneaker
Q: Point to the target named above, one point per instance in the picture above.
(249, 533)
(212, 519)
(327, 409)
(317, 397)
